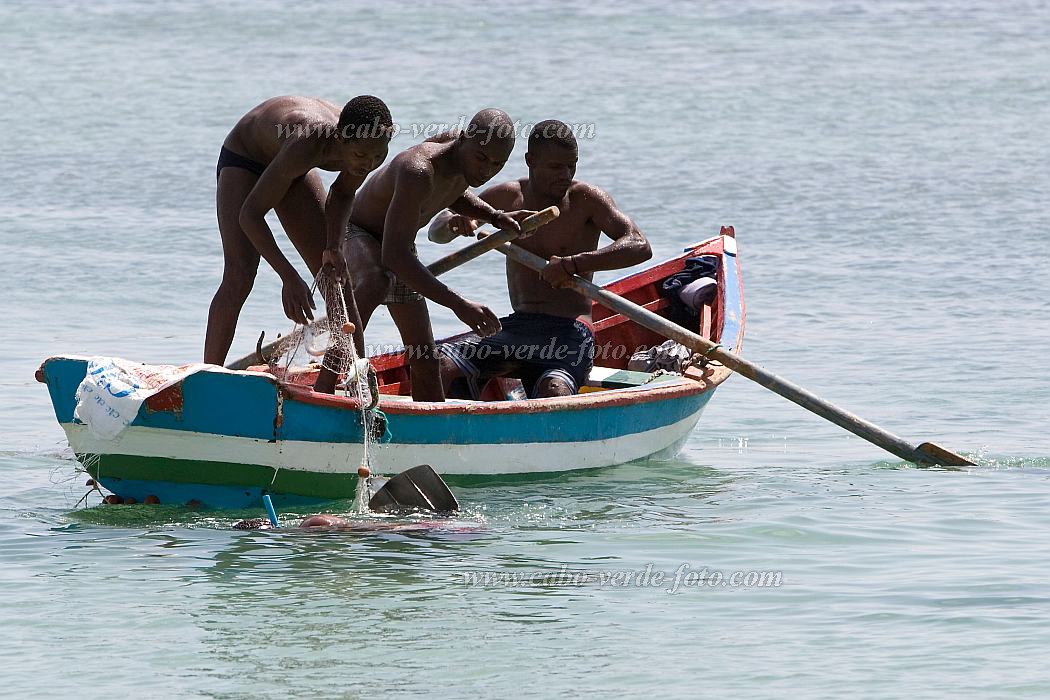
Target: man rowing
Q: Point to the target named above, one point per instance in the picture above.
(387, 213)
(268, 162)
(546, 342)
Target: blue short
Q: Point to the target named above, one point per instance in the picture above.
(531, 347)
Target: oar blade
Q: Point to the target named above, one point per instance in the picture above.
(416, 488)
(942, 456)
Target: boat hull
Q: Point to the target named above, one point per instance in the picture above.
(177, 466)
(226, 438)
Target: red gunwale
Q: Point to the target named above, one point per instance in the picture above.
(640, 287)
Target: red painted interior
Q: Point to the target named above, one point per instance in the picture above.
(169, 400)
(616, 336)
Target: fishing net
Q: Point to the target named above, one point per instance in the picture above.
(327, 343)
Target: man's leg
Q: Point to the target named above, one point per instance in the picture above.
(302, 215)
(413, 321)
(555, 383)
(563, 373)
(240, 263)
(450, 372)
(364, 256)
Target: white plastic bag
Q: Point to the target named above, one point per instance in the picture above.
(113, 390)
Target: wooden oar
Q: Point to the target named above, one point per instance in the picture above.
(485, 243)
(926, 453)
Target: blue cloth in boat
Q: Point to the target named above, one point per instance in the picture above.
(695, 269)
(531, 347)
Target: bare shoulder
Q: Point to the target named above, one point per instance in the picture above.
(302, 143)
(309, 107)
(312, 115)
(590, 196)
(585, 190)
(413, 165)
(505, 195)
(282, 109)
(598, 207)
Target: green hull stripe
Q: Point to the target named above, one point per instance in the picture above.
(188, 471)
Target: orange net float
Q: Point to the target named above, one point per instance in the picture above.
(349, 328)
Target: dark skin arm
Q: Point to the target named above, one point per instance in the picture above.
(448, 225)
(412, 186)
(453, 223)
(337, 214)
(474, 207)
(292, 161)
(629, 246)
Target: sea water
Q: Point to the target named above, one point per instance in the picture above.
(885, 167)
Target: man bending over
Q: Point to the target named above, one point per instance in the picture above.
(267, 162)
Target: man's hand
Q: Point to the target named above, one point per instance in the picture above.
(333, 260)
(559, 271)
(481, 319)
(462, 225)
(511, 221)
(297, 299)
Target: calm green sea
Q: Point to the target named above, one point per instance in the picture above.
(885, 167)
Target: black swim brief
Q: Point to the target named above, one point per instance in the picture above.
(531, 347)
(229, 159)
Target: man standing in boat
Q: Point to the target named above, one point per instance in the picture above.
(387, 213)
(546, 342)
(267, 162)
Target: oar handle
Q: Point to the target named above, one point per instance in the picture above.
(927, 453)
(487, 242)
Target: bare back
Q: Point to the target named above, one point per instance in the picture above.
(374, 197)
(261, 132)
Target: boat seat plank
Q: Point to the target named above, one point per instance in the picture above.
(612, 378)
(656, 306)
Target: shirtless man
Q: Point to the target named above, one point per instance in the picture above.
(389, 210)
(543, 342)
(267, 162)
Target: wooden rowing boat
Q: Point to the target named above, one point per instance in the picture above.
(225, 437)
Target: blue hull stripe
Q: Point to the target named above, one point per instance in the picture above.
(562, 426)
(245, 406)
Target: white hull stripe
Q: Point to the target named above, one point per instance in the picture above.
(342, 458)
